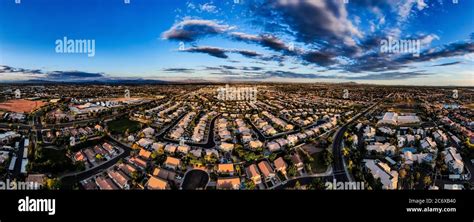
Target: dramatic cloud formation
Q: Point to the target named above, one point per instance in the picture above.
(310, 21)
(329, 37)
(212, 51)
(190, 30)
(267, 41)
(220, 52)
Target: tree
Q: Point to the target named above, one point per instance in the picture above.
(249, 185)
(80, 165)
(327, 157)
(153, 155)
(135, 176)
(417, 176)
(272, 156)
(317, 184)
(427, 180)
(345, 151)
(292, 171)
(53, 184)
(297, 185)
(99, 156)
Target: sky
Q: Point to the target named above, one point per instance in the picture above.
(406, 42)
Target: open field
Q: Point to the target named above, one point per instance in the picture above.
(21, 105)
(121, 125)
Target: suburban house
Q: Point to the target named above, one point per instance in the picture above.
(297, 162)
(227, 168)
(232, 183)
(253, 174)
(266, 169)
(155, 183)
(172, 163)
(280, 165)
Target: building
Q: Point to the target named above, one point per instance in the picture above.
(454, 160)
(105, 183)
(127, 168)
(227, 168)
(36, 180)
(409, 119)
(145, 154)
(158, 146)
(266, 169)
(369, 133)
(139, 162)
(428, 144)
(282, 142)
(164, 174)
(183, 149)
(253, 174)
(410, 158)
(292, 140)
(226, 147)
(440, 137)
(273, 146)
(232, 183)
(381, 148)
(172, 163)
(297, 162)
(392, 118)
(280, 165)
(389, 118)
(196, 152)
(7, 136)
(145, 142)
(148, 132)
(388, 177)
(109, 148)
(119, 178)
(79, 156)
(155, 183)
(255, 144)
(171, 148)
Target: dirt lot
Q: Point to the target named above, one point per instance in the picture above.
(21, 105)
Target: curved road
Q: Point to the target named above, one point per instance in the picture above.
(339, 166)
(69, 180)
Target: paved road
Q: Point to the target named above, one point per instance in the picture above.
(339, 166)
(69, 180)
(19, 158)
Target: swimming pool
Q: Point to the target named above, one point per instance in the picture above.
(411, 149)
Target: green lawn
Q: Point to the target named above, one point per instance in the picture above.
(318, 164)
(51, 161)
(121, 125)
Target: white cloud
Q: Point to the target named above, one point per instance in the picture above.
(208, 7)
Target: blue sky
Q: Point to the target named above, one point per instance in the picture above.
(251, 40)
